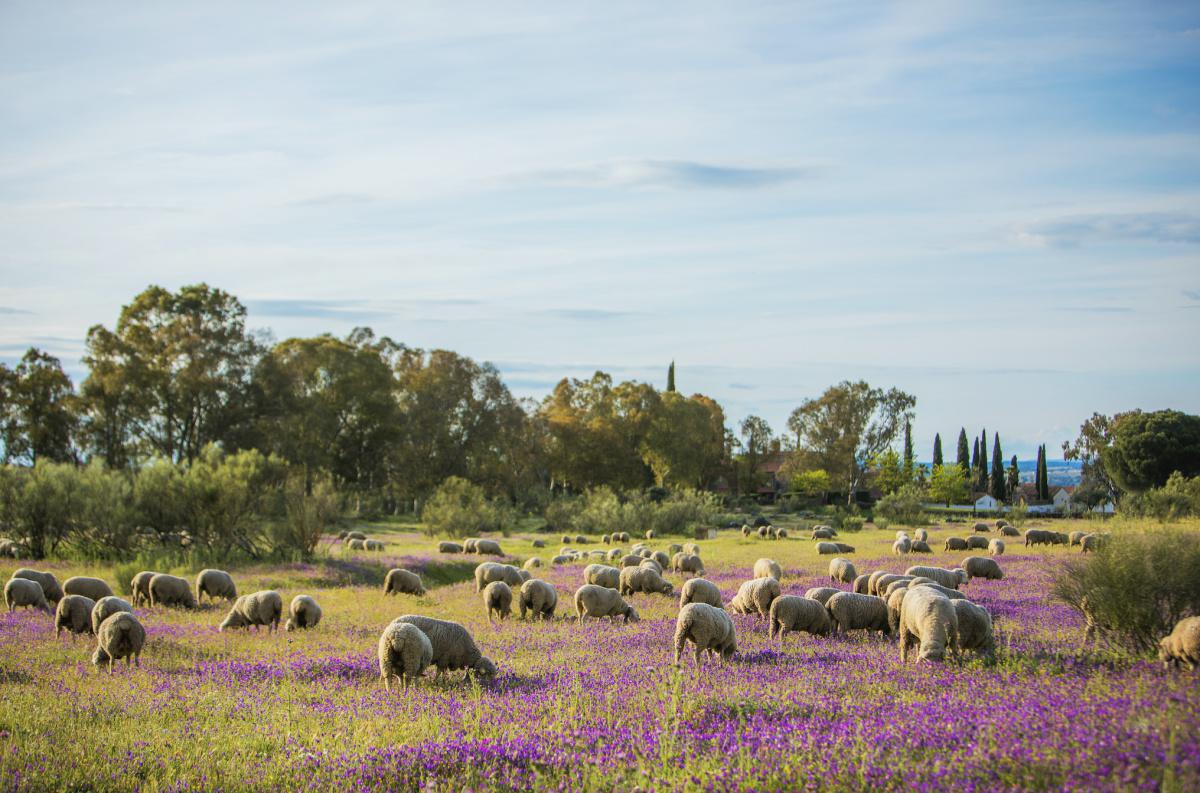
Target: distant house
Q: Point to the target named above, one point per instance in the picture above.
(986, 503)
(769, 468)
(1061, 498)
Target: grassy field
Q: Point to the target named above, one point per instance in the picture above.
(592, 707)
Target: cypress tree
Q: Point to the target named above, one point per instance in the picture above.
(937, 451)
(974, 461)
(1044, 477)
(671, 377)
(981, 473)
(1037, 477)
(964, 459)
(997, 480)
(908, 468)
(1014, 479)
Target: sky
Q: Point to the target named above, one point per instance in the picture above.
(995, 207)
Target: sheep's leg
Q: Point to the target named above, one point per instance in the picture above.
(698, 651)
(678, 652)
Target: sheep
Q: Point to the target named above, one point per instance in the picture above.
(663, 560)
(1001, 523)
(404, 652)
(902, 535)
(821, 594)
(566, 539)
(355, 535)
(399, 581)
(850, 611)
(488, 547)
(49, 584)
(706, 627)
(641, 579)
(1076, 536)
(920, 546)
(497, 597)
(885, 581)
(119, 636)
(538, 544)
(953, 594)
(606, 539)
(74, 613)
(105, 608)
(860, 583)
(955, 544)
(469, 545)
(699, 590)
(1058, 538)
(487, 572)
(974, 629)
(26, 593)
(215, 584)
(303, 612)
(356, 544)
(562, 559)
(947, 578)
(982, 567)
(1010, 531)
(927, 618)
(745, 530)
(597, 601)
(895, 601)
(791, 613)
(453, 647)
(824, 548)
(875, 576)
(449, 547)
(1091, 542)
(755, 597)
(624, 537)
(842, 570)
(650, 534)
(996, 547)
(684, 562)
(920, 535)
(260, 608)
(10, 549)
(650, 564)
(139, 587)
(170, 590)
(532, 563)
(764, 532)
(691, 548)
(982, 527)
(820, 534)
(1038, 537)
(1181, 647)
(843, 547)
(768, 568)
(581, 540)
(631, 560)
(902, 547)
(374, 545)
(539, 598)
(602, 575)
(645, 553)
(977, 543)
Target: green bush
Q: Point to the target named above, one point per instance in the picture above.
(1136, 586)
(881, 523)
(904, 506)
(1178, 498)
(459, 508)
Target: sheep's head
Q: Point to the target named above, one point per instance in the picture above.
(963, 578)
(631, 614)
(1164, 649)
(484, 667)
(99, 657)
(290, 625)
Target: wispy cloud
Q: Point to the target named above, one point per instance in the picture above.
(1076, 230)
(10, 310)
(1192, 294)
(587, 314)
(667, 174)
(743, 386)
(330, 309)
(334, 200)
(1098, 309)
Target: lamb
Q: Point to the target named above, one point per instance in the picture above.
(699, 590)
(597, 601)
(399, 581)
(74, 613)
(532, 563)
(1076, 536)
(902, 547)
(977, 542)
(171, 590)
(25, 593)
(920, 546)
(684, 562)
(860, 584)
(824, 548)
(955, 544)
(706, 627)
(927, 618)
(93, 588)
(982, 527)
(920, 535)
(975, 629)
(260, 608)
(119, 636)
(842, 570)
(821, 594)
(448, 547)
(404, 652)
(215, 584)
(947, 578)
(453, 648)
(768, 568)
(631, 560)
(487, 572)
(1010, 531)
(641, 579)
(755, 597)
(1182, 646)
(820, 534)
(996, 547)
(105, 608)
(139, 587)
(49, 584)
(982, 567)
(850, 611)
(539, 598)
(488, 547)
(602, 575)
(303, 612)
(497, 597)
(791, 613)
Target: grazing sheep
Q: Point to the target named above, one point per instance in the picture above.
(955, 544)
(884, 583)
(488, 547)
(645, 553)
(745, 530)
(650, 564)
(497, 597)
(824, 548)
(861, 583)
(597, 554)
(1092, 542)
(260, 608)
(781, 534)
(977, 542)
(1010, 531)
(566, 539)
(598, 601)
(10, 549)
(171, 590)
(615, 554)
(49, 584)
(602, 575)
(26, 593)
(453, 647)
(755, 597)
(663, 560)
(902, 535)
(373, 545)
(1181, 647)
(631, 560)
(875, 576)
(93, 588)
(953, 594)
(650, 535)
(539, 598)
(895, 601)
(606, 539)
(996, 547)
(791, 613)
(399, 581)
(982, 567)
(1038, 537)
(562, 559)
(581, 540)
(532, 563)
(449, 547)
(708, 628)
(947, 578)
(920, 546)
(843, 547)
(623, 538)
(849, 611)
(119, 636)
(690, 548)
(642, 579)
(920, 535)
(982, 527)
(215, 584)
(470, 545)
(355, 535)
(684, 562)
(303, 612)
(821, 594)
(699, 590)
(139, 587)
(356, 544)
(927, 618)
(821, 534)
(105, 608)
(769, 568)
(764, 532)
(1058, 538)
(404, 652)
(1001, 523)
(487, 572)
(974, 629)
(842, 570)
(1076, 536)
(902, 547)
(74, 613)
(538, 544)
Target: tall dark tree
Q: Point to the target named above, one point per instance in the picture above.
(1148, 447)
(1041, 479)
(996, 483)
(964, 453)
(38, 407)
(755, 443)
(671, 377)
(981, 470)
(938, 461)
(1013, 481)
(907, 464)
(973, 474)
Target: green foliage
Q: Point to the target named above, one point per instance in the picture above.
(602, 510)
(459, 508)
(1148, 447)
(1178, 498)
(850, 522)
(937, 450)
(38, 411)
(902, 506)
(685, 440)
(908, 464)
(964, 452)
(811, 484)
(1135, 587)
(948, 485)
(1017, 514)
(996, 482)
(889, 472)
(881, 522)
(308, 513)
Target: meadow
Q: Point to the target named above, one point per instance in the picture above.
(598, 706)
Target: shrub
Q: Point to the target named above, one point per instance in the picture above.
(903, 506)
(458, 508)
(881, 523)
(307, 515)
(1017, 514)
(1135, 587)
(1178, 498)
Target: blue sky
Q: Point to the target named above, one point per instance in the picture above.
(995, 207)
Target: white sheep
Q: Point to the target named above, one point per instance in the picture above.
(215, 584)
(453, 647)
(374, 545)
(399, 581)
(94, 588)
(404, 652)
(821, 594)
(303, 612)
(615, 554)
(448, 547)
(643, 579)
(22, 592)
(488, 572)
(996, 547)
(105, 608)
(708, 628)
(602, 575)
(631, 560)
(860, 584)
(849, 611)
(920, 546)
(768, 568)
(139, 587)
(982, 567)
(982, 527)
(539, 599)
(927, 618)
(920, 535)
(699, 590)
(119, 636)
(598, 601)
(755, 597)
(691, 548)
(260, 608)
(469, 545)
(791, 613)
(977, 543)
(948, 578)
(1181, 647)
(49, 584)
(489, 547)
(652, 564)
(842, 570)
(532, 563)
(686, 562)
(894, 600)
(74, 613)
(171, 590)
(974, 629)
(902, 547)
(826, 548)
(953, 594)
(955, 544)
(497, 598)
